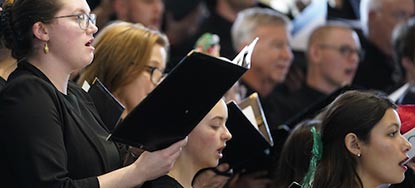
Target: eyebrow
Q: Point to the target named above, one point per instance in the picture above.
(221, 118)
(394, 125)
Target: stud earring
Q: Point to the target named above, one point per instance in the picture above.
(46, 48)
(358, 155)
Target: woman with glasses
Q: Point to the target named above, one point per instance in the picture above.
(129, 60)
(53, 136)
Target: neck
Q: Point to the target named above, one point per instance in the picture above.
(54, 70)
(367, 180)
(263, 86)
(184, 170)
(7, 66)
(317, 82)
(383, 45)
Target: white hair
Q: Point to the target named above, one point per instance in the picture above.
(250, 19)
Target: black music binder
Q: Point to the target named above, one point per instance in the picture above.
(248, 150)
(181, 100)
(108, 107)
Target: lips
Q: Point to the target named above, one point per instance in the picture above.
(403, 163)
(220, 151)
(89, 43)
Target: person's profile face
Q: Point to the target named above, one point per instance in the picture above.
(133, 93)
(382, 156)
(338, 57)
(208, 138)
(272, 56)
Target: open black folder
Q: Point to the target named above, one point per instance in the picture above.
(181, 100)
(108, 107)
(249, 149)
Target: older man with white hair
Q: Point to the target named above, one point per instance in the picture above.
(377, 69)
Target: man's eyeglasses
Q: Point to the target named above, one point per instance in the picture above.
(83, 19)
(156, 75)
(345, 51)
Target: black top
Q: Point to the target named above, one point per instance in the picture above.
(50, 139)
(162, 182)
(377, 70)
(2, 83)
(281, 106)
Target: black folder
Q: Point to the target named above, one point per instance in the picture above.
(248, 150)
(170, 112)
(108, 107)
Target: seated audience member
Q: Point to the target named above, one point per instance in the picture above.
(332, 58)
(403, 40)
(271, 58)
(212, 129)
(272, 55)
(50, 122)
(377, 69)
(296, 154)
(360, 130)
(147, 12)
(128, 55)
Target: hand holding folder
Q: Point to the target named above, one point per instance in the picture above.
(171, 111)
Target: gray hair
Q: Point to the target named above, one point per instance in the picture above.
(248, 20)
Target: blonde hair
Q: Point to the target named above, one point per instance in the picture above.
(122, 50)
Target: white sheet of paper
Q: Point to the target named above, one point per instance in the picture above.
(249, 113)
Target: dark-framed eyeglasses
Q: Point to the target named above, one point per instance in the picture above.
(83, 19)
(344, 50)
(156, 74)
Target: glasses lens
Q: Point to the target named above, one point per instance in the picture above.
(83, 21)
(156, 76)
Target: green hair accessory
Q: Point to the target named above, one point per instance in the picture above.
(316, 152)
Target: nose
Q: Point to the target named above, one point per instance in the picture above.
(226, 134)
(354, 57)
(406, 144)
(92, 28)
(286, 53)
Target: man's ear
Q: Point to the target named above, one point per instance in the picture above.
(314, 53)
(40, 31)
(351, 141)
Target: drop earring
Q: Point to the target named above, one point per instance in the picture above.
(46, 48)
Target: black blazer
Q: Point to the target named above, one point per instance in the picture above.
(50, 139)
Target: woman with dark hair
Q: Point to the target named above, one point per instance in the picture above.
(53, 135)
(362, 145)
(295, 155)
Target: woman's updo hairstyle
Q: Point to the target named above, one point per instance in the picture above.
(17, 19)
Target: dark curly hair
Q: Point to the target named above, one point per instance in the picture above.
(17, 19)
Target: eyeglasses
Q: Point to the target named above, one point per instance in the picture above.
(83, 19)
(156, 75)
(345, 51)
